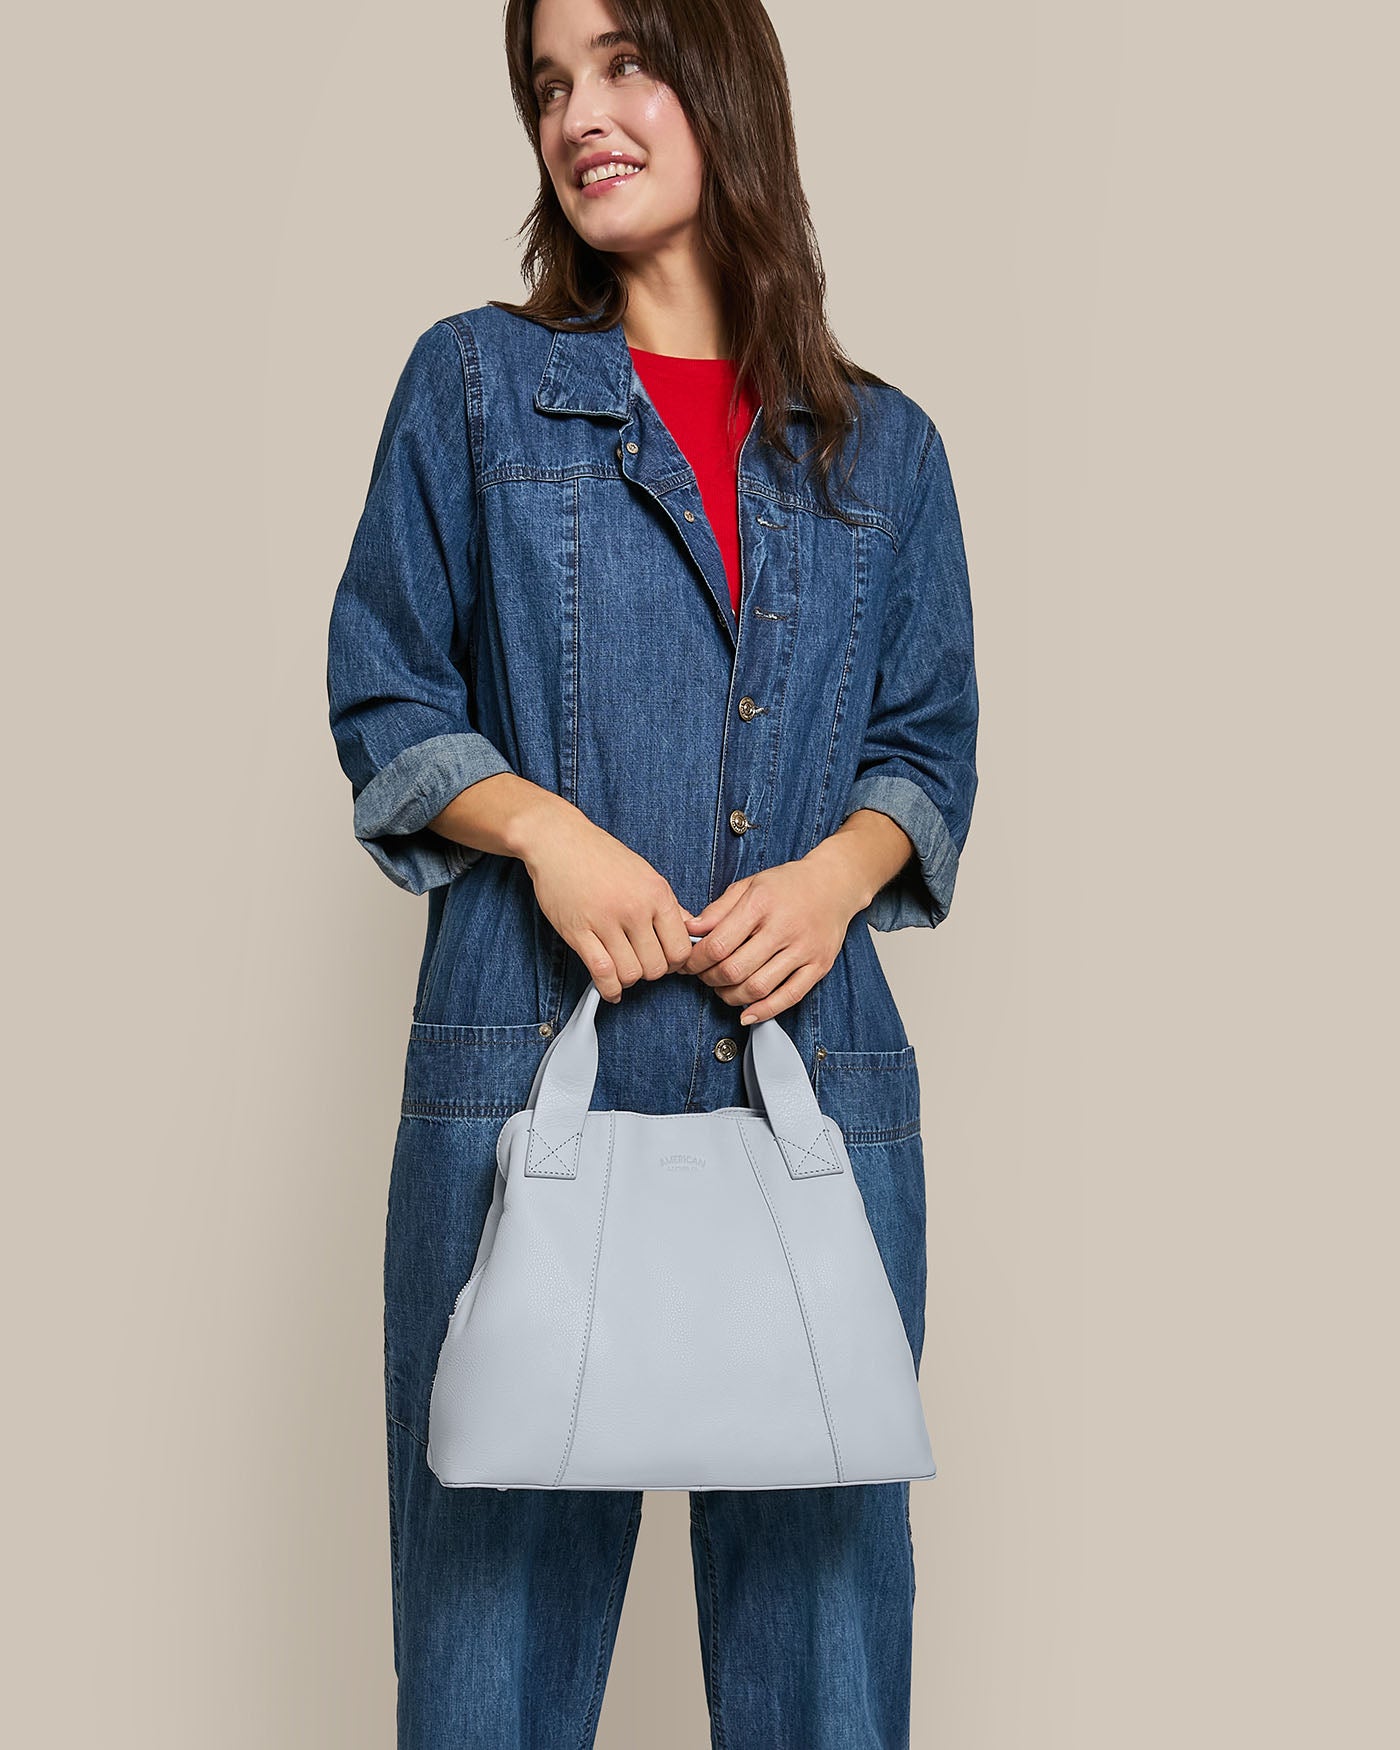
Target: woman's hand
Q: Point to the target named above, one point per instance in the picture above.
(770, 937)
(610, 905)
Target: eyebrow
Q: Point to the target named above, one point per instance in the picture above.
(607, 39)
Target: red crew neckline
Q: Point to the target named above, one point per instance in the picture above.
(676, 358)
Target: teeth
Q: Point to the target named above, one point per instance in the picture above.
(602, 172)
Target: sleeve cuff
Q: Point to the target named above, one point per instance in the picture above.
(393, 810)
(922, 891)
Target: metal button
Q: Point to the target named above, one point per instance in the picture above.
(748, 710)
(619, 452)
(546, 1028)
(631, 449)
(821, 1051)
(690, 516)
(726, 1050)
(739, 821)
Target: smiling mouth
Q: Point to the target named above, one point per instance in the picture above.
(603, 174)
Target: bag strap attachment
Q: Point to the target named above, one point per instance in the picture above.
(774, 1075)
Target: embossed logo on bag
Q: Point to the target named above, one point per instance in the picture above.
(682, 1162)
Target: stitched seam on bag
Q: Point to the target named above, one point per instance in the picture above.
(832, 1166)
(802, 1306)
(549, 1153)
(592, 1302)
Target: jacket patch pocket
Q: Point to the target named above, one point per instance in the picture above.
(459, 1071)
(872, 1095)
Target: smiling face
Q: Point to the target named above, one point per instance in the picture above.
(599, 106)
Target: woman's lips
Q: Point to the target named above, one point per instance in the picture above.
(593, 189)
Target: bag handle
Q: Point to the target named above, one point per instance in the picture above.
(774, 1075)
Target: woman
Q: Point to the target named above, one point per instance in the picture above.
(657, 602)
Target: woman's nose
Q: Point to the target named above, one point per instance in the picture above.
(583, 117)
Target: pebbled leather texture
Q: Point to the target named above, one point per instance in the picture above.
(675, 1301)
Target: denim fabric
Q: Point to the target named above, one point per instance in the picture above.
(533, 586)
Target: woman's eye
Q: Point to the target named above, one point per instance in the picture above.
(618, 61)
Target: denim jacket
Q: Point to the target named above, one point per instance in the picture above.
(533, 587)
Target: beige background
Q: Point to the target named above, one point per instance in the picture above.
(1138, 261)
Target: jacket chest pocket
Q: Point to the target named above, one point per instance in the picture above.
(588, 547)
(603, 659)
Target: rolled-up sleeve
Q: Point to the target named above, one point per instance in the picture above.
(400, 624)
(918, 758)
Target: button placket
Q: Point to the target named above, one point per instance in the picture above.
(745, 760)
(665, 462)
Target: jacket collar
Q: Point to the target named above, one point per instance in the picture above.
(590, 371)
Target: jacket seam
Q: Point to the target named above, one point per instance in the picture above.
(911, 508)
(858, 570)
(470, 358)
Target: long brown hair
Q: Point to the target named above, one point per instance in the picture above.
(723, 61)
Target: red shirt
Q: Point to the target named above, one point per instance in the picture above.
(692, 397)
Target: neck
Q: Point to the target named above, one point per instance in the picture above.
(674, 307)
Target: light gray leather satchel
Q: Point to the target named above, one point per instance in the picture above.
(675, 1301)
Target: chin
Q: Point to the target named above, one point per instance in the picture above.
(606, 237)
